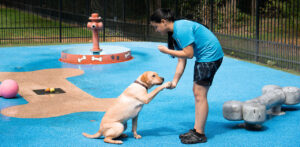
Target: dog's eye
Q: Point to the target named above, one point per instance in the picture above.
(153, 76)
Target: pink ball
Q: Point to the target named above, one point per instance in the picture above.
(9, 88)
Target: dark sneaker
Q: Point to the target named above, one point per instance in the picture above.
(193, 137)
(181, 136)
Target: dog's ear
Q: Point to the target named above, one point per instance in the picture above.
(144, 78)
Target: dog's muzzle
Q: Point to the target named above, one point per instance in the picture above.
(162, 80)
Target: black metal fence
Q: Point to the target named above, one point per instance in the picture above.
(265, 31)
(64, 21)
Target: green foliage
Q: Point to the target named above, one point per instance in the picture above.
(283, 8)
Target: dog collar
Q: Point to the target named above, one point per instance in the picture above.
(141, 84)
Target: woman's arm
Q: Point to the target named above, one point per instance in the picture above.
(187, 52)
(179, 71)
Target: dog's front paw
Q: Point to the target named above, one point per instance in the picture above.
(167, 84)
(137, 136)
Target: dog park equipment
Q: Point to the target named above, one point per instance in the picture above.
(95, 26)
(9, 88)
(255, 111)
(105, 55)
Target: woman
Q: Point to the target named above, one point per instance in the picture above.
(188, 39)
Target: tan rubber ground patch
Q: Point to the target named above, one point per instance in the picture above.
(52, 105)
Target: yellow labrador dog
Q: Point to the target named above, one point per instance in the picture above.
(127, 106)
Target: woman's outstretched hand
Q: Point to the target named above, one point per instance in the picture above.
(163, 49)
(167, 85)
(172, 86)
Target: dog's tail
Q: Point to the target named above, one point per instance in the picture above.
(97, 135)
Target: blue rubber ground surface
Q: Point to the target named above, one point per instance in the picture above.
(161, 121)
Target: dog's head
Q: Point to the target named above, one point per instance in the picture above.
(151, 78)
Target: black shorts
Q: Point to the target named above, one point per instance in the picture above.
(204, 72)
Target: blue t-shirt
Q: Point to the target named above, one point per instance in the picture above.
(207, 47)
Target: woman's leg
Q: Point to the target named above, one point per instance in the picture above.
(201, 107)
(203, 77)
(197, 135)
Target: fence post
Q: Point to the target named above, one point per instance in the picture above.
(104, 20)
(176, 8)
(257, 30)
(60, 19)
(212, 15)
(88, 2)
(124, 18)
(148, 20)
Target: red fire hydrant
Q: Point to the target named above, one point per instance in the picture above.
(95, 25)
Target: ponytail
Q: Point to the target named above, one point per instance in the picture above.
(171, 42)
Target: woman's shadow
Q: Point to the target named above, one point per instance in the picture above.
(159, 131)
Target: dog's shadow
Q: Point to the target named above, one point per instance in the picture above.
(165, 131)
(160, 131)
